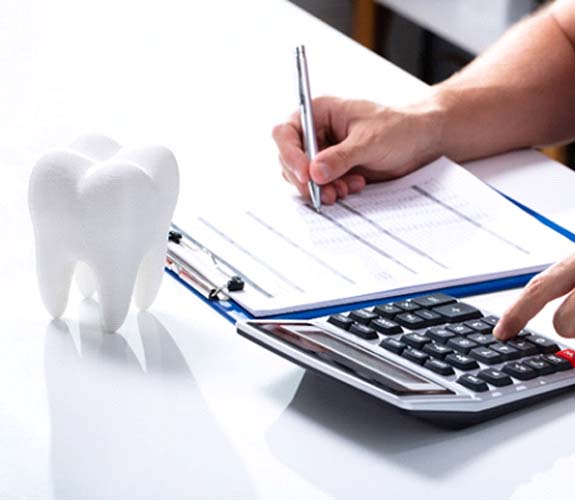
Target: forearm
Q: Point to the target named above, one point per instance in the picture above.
(520, 93)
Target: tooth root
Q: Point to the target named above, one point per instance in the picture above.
(54, 272)
(150, 276)
(114, 287)
(85, 279)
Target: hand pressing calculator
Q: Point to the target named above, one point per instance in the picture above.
(431, 356)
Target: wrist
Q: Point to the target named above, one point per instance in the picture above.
(432, 117)
(444, 102)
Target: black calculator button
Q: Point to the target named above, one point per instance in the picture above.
(415, 340)
(540, 366)
(407, 305)
(436, 299)
(461, 361)
(486, 355)
(439, 334)
(431, 317)
(459, 329)
(560, 364)
(495, 377)
(415, 356)
(341, 321)
(508, 352)
(386, 326)
(519, 371)
(543, 345)
(393, 345)
(490, 320)
(459, 311)
(387, 310)
(461, 344)
(484, 339)
(524, 347)
(362, 331)
(524, 333)
(362, 316)
(479, 326)
(472, 382)
(437, 350)
(438, 366)
(411, 320)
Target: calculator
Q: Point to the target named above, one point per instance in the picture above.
(432, 356)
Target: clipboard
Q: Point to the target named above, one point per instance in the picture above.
(214, 280)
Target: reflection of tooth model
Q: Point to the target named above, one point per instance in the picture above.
(107, 209)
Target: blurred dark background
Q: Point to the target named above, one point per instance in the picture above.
(431, 39)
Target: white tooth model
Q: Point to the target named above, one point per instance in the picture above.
(103, 211)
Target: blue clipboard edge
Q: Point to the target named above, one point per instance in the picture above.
(233, 312)
(541, 218)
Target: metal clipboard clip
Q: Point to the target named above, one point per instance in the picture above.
(199, 268)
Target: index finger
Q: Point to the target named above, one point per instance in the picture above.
(554, 282)
(288, 139)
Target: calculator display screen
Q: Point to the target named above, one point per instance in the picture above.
(362, 362)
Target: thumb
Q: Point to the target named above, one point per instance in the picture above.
(333, 162)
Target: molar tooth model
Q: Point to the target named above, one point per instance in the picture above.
(103, 211)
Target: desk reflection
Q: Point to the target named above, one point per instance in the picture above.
(351, 446)
(128, 420)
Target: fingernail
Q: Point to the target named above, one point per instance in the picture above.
(498, 332)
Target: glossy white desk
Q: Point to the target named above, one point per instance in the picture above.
(176, 405)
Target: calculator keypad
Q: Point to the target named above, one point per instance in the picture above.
(455, 340)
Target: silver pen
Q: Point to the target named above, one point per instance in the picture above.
(307, 123)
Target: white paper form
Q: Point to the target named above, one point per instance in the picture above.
(439, 226)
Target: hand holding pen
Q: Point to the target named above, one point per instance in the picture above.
(358, 142)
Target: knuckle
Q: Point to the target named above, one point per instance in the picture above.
(535, 287)
(324, 100)
(294, 117)
(341, 155)
(568, 263)
(277, 131)
(341, 188)
(369, 135)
